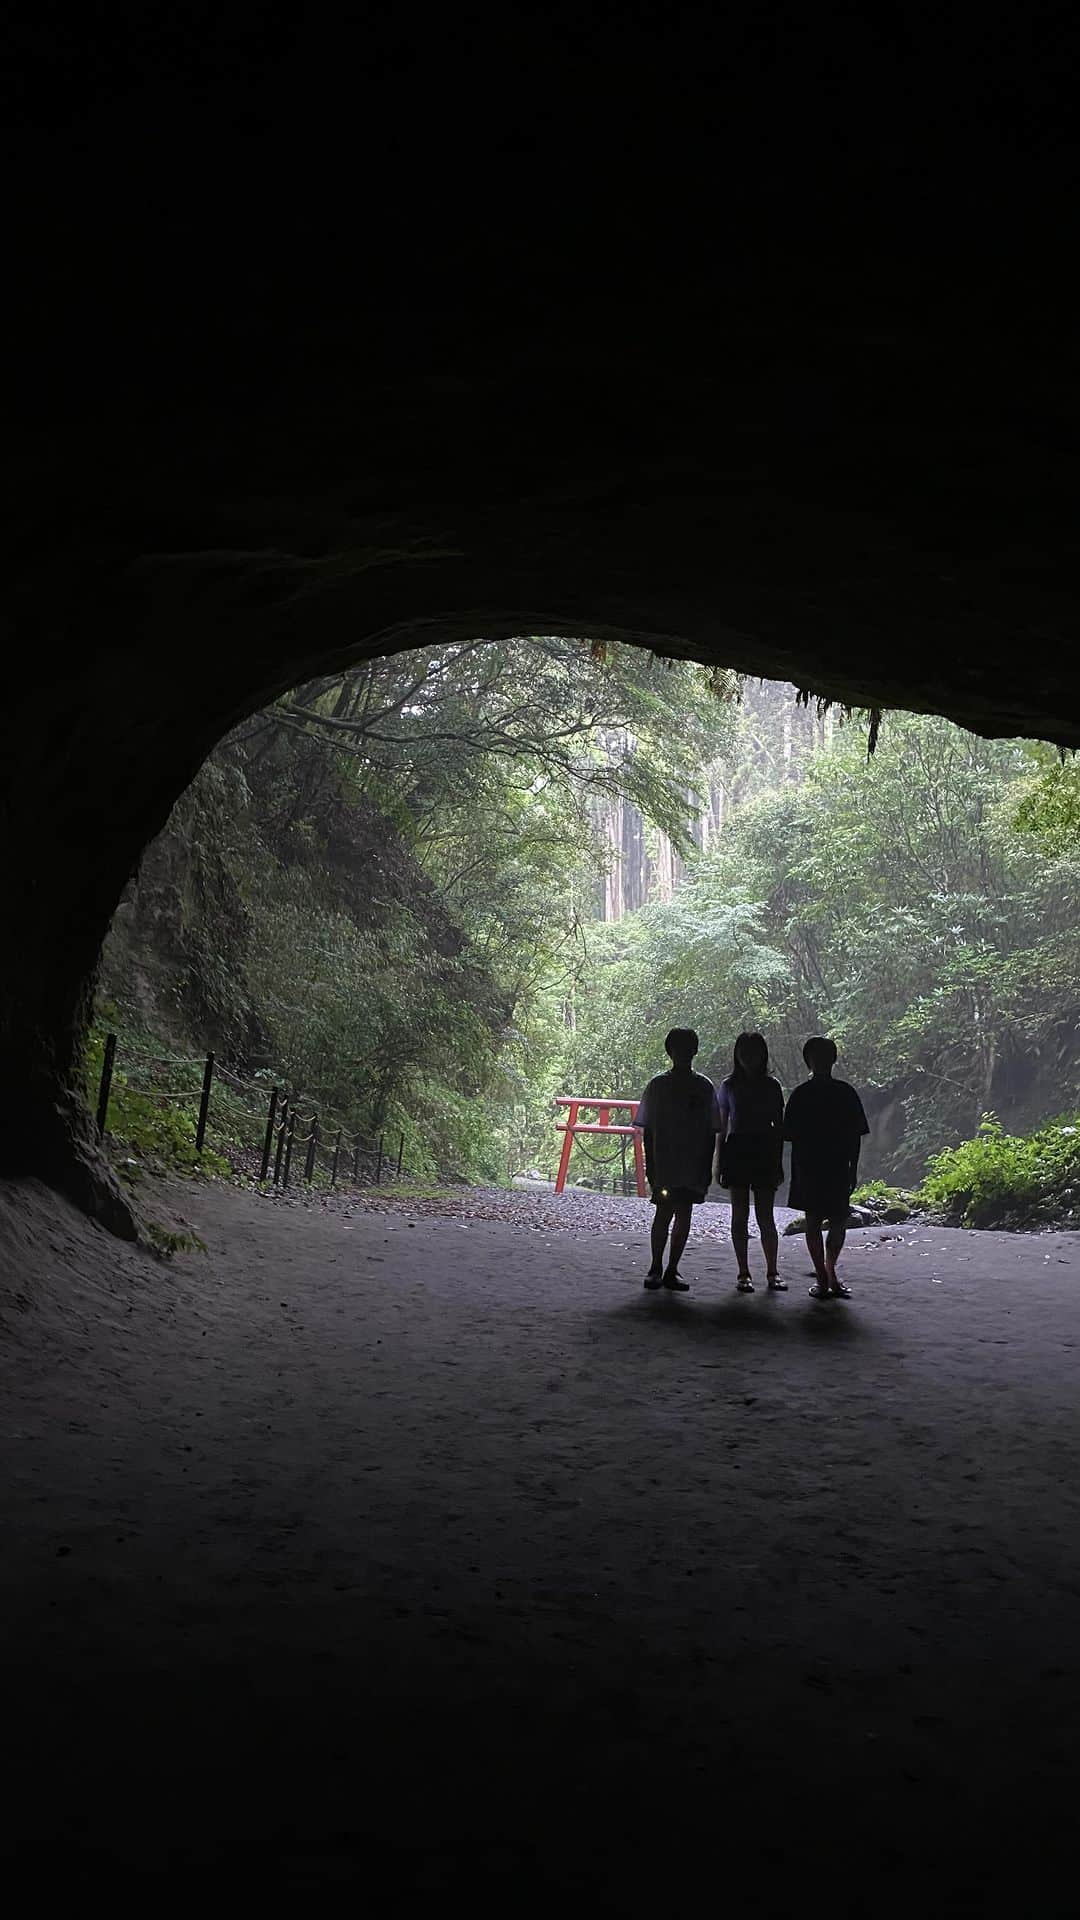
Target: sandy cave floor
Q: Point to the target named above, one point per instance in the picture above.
(388, 1546)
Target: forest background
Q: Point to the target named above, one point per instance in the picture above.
(437, 890)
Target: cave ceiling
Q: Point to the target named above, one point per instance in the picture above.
(323, 362)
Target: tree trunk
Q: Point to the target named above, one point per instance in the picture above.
(612, 826)
(633, 859)
(665, 868)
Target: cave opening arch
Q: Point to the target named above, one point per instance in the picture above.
(783, 528)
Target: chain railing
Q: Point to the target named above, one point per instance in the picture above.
(279, 1121)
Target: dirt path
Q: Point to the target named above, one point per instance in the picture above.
(432, 1557)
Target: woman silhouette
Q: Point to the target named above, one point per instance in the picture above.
(750, 1153)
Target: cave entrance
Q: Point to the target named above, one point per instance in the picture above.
(416, 900)
(835, 505)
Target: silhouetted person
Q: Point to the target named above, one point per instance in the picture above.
(678, 1115)
(825, 1123)
(750, 1154)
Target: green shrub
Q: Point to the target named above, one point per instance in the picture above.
(881, 1190)
(163, 1135)
(170, 1240)
(1000, 1179)
(454, 1140)
(159, 1133)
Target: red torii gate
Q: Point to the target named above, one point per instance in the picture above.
(572, 1125)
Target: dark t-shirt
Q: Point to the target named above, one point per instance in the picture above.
(751, 1105)
(824, 1120)
(679, 1116)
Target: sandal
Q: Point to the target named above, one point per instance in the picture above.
(776, 1285)
(652, 1281)
(839, 1291)
(818, 1292)
(744, 1284)
(674, 1285)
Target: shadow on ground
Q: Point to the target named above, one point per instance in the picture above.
(659, 1316)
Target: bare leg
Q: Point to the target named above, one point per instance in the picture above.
(740, 1232)
(661, 1222)
(815, 1247)
(833, 1248)
(770, 1239)
(679, 1232)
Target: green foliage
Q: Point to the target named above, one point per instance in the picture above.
(671, 966)
(891, 904)
(1049, 803)
(170, 1240)
(1001, 1180)
(451, 1134)
(377, 887)
(158, 1132)
(385, 895)
(880, 1190)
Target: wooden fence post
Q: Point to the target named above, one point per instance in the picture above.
(204, 1103)
(268, 1140)
(282, 1125)
(400, 1153)
(106, 1081)
(337, 1150)
(378, 1163)
(309, 1162)
(356, 1163)
(289, 1137)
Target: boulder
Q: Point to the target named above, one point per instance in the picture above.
(858, 1217)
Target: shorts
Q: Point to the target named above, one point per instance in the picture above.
(821, 1199)
(681, 1195)
(752, 1160)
